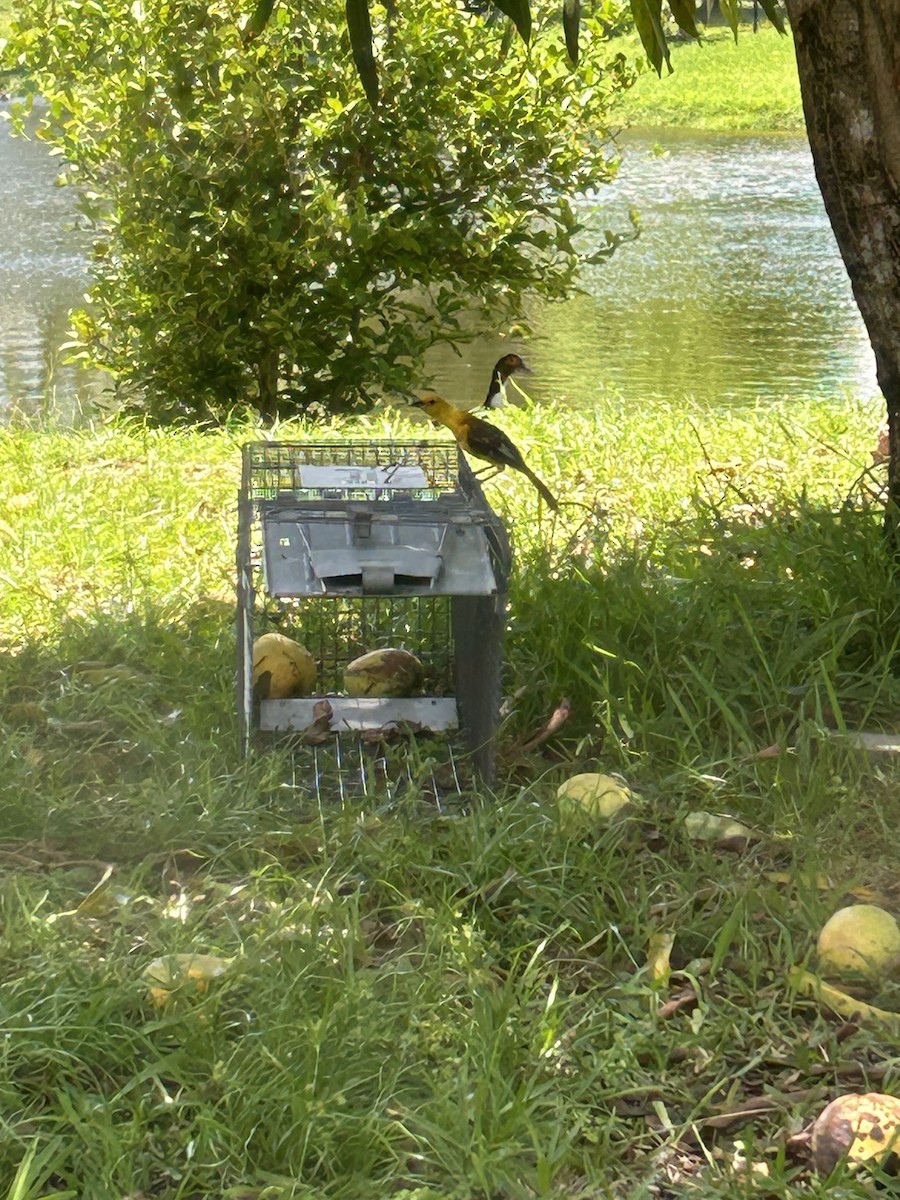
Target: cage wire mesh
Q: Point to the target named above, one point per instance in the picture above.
(338, 629)
(351, 768)
(349, 547)
(273, 469)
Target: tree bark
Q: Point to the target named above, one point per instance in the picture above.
(267, 380)
(848, 59)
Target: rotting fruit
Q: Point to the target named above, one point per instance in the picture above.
(190, 973)
(388, 672)
(859, 1129)
(859, 940)
(281, 668)
(593, 797)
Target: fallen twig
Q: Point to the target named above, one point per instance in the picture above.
(557, 719)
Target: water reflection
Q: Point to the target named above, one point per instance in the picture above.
(43, 275)
(734, 291)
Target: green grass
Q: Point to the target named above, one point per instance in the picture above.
(718, 84)
(456, 1003)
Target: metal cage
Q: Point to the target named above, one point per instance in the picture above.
(355, 546)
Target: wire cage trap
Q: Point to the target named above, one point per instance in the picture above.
(357, 546)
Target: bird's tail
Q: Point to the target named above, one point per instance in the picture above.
(551, 500)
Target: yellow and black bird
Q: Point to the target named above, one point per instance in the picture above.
(509, 364)
(482, 440)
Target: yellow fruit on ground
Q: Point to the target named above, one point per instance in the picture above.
(185, 973)
(281, 668)
(861, 939)
(387, 672)
(592, 797)
(718, 828)
(862, 1130)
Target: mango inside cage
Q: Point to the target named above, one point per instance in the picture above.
(354, 547)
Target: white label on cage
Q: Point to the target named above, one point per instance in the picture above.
(361, 477)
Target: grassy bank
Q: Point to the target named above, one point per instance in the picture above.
(718, 84)
(426, 1003)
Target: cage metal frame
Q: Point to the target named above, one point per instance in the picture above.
(440, 488)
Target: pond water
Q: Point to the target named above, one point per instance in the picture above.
(43, 274)
(734, 290)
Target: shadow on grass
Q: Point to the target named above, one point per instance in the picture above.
(121, 735)
(740, 628)
(450, 1007)
(718, 637)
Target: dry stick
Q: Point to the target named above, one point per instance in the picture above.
(557, 719)
(742, 496)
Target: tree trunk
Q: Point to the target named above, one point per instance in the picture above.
(848, 58)
(267, 380)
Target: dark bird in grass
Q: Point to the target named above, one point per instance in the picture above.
(509, 364)
(482, 440)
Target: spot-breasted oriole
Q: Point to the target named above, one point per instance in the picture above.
(482, 440)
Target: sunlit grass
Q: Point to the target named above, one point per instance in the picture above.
(718, 84)
(420, 1003)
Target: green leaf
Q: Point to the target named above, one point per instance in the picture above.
(773, 12)
(360, 29)
(683, 12)
(647, 21)
(731, 11)
(259, 19)
(726, 935)
(571, 20)
(519, 12)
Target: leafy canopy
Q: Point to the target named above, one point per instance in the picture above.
(647, 16)
(261, 227)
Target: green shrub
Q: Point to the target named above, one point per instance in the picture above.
(264, 236)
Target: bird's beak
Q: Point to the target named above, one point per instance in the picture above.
(417, 403)
(525, 369)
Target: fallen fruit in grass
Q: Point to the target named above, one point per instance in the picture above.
(188, 972)
(859, 940)
(281, 668)
(388, 672)
(719, 828)
(589, 796)
(859, 1130)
